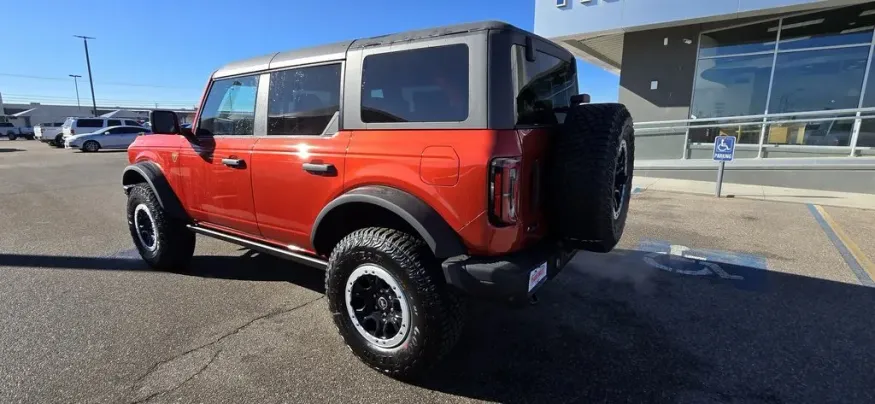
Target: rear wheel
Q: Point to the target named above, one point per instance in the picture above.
(11, 136)
(390, 302)
(591, 176)
(91, 146)
(59, 141)
(163, 242)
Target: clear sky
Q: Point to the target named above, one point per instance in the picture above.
(162, 51)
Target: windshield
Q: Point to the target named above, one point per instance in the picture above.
(68, 123)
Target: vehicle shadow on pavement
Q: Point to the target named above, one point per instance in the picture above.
(613, 328)
(249, 266)
(8, 150)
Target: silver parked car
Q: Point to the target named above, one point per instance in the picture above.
(113, 137)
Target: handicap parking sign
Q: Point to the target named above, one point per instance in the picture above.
(724, 148)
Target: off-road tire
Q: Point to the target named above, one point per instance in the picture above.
(581, 176)
(59, 141)
(175, 243)
(437, 313)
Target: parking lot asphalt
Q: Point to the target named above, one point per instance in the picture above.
(704, 301)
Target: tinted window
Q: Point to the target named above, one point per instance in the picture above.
(132, 123)
(421, 85)
(5, 125)
(114, 122)
(745, 39)
(845, 26)
(541, 86)
(230, 108)
(302, 101)
(90, 123)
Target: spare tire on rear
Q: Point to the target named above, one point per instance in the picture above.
(590, 176)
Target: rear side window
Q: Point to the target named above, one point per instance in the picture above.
(420, 85)
(230, 108)
(541, 86)
(90, 123)
(303, 101)
(114, 122)
(5, 125)
(132, 123)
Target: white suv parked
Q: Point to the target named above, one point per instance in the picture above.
(80, 126)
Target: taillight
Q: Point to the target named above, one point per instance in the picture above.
(504, 184)
(72, 132)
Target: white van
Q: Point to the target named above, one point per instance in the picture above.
(80, 126)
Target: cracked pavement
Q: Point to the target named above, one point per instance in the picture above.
(83, 320)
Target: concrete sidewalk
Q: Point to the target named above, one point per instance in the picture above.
(766, 193)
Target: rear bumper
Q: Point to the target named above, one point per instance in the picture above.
(513, 277)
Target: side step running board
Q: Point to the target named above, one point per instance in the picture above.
(262, 247)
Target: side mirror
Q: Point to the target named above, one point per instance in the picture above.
(167, 122)
(580, 99)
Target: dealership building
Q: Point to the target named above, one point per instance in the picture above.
(791, 79)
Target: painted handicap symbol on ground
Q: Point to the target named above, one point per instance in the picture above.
(743, 270)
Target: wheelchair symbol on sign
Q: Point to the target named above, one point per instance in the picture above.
(722, 146)
(681, 262)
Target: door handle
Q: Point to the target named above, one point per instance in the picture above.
(235, 163)
(319, 169)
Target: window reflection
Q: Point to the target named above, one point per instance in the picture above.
(745, 39)
(845, 26)
(818, 80)
(731, 86)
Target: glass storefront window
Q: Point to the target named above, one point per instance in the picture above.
(818, 132)
(866, 138)
(818, 80)
(844, 26)
(751, 38)
(731, 86)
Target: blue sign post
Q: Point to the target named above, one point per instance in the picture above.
(724, 150)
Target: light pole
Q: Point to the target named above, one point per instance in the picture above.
(76, 82)
(90, 78)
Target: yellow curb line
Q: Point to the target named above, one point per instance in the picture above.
(852, 247)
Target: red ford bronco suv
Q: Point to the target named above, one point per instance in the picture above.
(417, 168)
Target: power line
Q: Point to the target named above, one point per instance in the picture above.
(26, 76)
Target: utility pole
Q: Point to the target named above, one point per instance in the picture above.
(90, 78)
(76, 82)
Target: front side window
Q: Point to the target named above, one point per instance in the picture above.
(230, 108)
(114, 122)
(132, 123)
(541, 86)
(419, 85)
(90, 123)
(303, 101)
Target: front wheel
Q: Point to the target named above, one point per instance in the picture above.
(11, 136)
(390, 302)
(163, 242)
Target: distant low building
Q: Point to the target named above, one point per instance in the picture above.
(35, 113)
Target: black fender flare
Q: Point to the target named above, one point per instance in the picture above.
(434, 230)
(151, 174)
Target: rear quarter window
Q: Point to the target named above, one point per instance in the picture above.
(418, 85)
(90, 123)
(541, 86)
